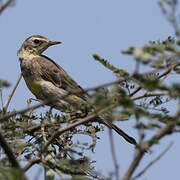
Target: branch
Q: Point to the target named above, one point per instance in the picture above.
(71, 126)
(87, 119)
(55, 135)
(12, 93)
(8, 151)
(150, 94)
(135, 91)
(102, 85)
(134, 164)
(166, 72)
(37, 127)
(31, 163)
(2, 102)
(153, 162)
(114, 154)
(171, 16)
(145, 147)
(22, 111)
(5, 5)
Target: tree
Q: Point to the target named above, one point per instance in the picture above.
(47, 139)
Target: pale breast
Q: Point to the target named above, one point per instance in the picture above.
(30, 72)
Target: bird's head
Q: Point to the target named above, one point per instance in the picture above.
(35, 45)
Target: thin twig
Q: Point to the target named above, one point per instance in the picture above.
(2, 102)
(171, 16)
(150, 94)
(22, 111)
(134, 164)
(145, 147)
(166, 72)
(34, 128)
(12, 93)
(114, 154)
(71, 126)
(31, 163)
(135, 91)
(153, 161)
(8, 152)
(5, 5)
(103, 85)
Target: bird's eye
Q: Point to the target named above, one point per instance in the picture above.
(36, 41)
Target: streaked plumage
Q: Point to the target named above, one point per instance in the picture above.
(46, 79)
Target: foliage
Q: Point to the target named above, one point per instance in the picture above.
(140, 96)
(4, 83)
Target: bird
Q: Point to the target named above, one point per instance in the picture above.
(46, 80)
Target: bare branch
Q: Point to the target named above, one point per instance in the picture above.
(145, 147)
(114, 154)
(171, 15)
(135, 91)
(165, 73)
(22, 111)
(134, 164)
(150, 94)
(153, 161)
(2, 102)
(5, 5)
(31, 163)
(8, 151)
(12, 93)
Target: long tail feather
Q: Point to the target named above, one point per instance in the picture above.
(128, 138)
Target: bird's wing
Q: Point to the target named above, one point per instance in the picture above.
(50, 71)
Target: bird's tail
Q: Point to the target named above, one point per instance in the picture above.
(128, 138)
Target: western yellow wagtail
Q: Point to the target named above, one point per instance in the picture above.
(47, 80)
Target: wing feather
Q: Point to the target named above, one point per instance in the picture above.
(50, 71)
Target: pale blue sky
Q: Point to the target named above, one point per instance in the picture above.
(86, 27)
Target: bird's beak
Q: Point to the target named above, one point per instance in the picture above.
(51, 43)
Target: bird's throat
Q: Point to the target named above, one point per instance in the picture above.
(26, 54)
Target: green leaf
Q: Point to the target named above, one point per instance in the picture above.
(118, 72)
